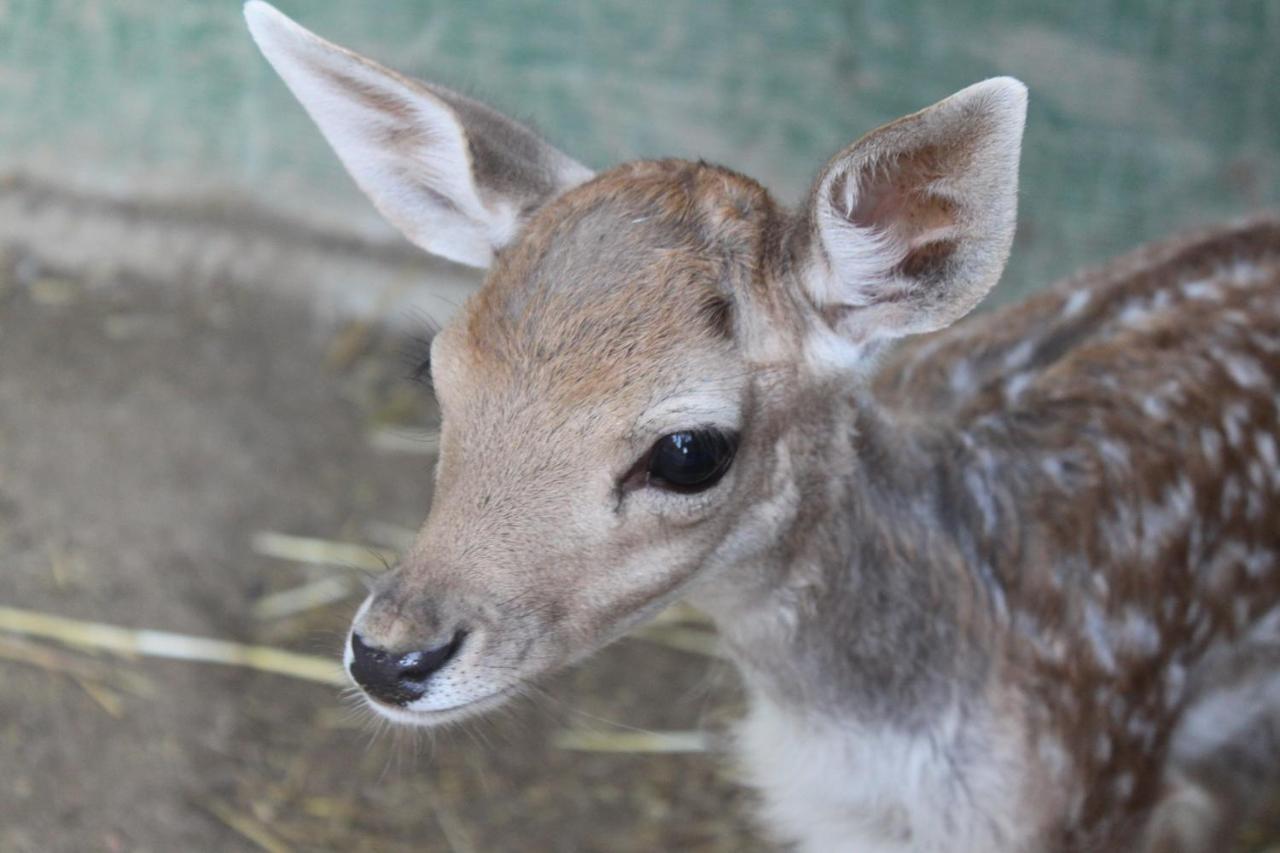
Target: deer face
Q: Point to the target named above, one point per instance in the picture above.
(628, 397)
(595, 435)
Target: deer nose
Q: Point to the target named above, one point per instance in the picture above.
(397, 678)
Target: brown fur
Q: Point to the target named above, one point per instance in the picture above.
(1086, 531)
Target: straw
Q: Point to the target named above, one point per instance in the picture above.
(307, 549)
(582, 740)
(248, 827)
(299, 599)
(165, 644)
(692, 640)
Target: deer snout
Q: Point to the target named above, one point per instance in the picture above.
(425, 649)
(405, 646)
(398, 678)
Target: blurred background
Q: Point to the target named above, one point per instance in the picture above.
(206, 431)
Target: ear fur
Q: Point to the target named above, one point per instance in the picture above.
(455, 176)
(910, 226)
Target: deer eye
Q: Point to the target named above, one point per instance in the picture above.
(691, 460)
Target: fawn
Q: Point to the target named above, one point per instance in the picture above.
(1012, 586)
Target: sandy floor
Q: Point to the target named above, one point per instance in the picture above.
(146, 434)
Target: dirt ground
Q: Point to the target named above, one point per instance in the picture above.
(147, 432)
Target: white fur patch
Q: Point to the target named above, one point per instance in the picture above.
(1203, 290)
(829, 353)
(837, 787)
(1221, 717)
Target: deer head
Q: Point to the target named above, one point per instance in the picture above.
(634, 403)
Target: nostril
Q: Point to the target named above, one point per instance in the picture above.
(364, 655)
(418, 666)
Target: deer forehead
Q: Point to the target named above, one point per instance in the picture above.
(618, 291)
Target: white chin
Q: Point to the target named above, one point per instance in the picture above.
(425, 717)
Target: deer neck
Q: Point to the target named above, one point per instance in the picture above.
(868, 599)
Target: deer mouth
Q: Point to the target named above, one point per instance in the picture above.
(408, 715)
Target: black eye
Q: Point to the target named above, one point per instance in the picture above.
(692, 460)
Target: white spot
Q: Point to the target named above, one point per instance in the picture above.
(1202, 289)
(1014, 387)
(1267, 343)
(1195, 612)
(1257, 474)
(1102, 747)
(1231, 495)
(1255, 506)
(1175, 684)
(1233, 421)
(1266, 629)
(1114, 453)
(1141, 728)
(962, 377)
(1162, 520)
(1223, 716)
(1134, 314)
(1140, 633)
(1172, 391)
(1245, 371)
(1222, 569)
(1019, 355)
(1049, 646)
(1243, 273)
(1095, 627)
(1120, 526)
(1154, 407)
(1076, 303)
(1124, 785)
(1267, 450)
(983, 497)
(1053, 467)
(1200, 631)
(1211, 444)
(1258, 562)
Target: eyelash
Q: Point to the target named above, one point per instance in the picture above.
(417, 357)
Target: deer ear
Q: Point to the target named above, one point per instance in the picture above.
(909, 227)
(456, 177)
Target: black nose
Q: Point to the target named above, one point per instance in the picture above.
(397, 678)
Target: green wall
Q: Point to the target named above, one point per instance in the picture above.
(1146, 114)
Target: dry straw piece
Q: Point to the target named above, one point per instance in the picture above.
(301, 599)
(165, 644)
(307, 549)
(582, 740)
